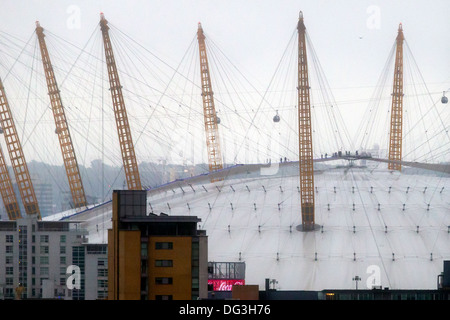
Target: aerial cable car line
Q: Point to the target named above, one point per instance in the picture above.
(228, 82)
(264, 95)
(164, 127)
(92, 71)
(413, 85)
(232, 82)
(418, 103)
(29, 91)
(324, 88)
(374, 102)
(169, 117)
(433, 104)
(62, 127)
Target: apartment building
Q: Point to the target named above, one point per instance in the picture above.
(35, 257)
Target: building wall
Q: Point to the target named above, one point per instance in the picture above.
(203, 267)
(96, 275)
(180, 271)
(44, 256)
(129, 265)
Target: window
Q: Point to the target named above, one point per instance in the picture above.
(163, 263)
(163, 280)
(62, 260)
(102, 283)
(9, 292)
(62, 238)
(44, 272)
(195, 283)
(9, 249)
(9, 271)
(62, 250)
(43, 259)
(101, 262)
(8, 260)
(33, 249)
(33, 238)
(9, 281)
(102, 294)
(62, 281)
(163, 245)
(44, 238)
(102, 272)
(144, 250)
(9, 238)
(44, 250)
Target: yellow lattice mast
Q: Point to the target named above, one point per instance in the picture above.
(209, 110)
(123, 127)
(395, 135)
(62, 128)
(7, 191)
(304, 132)
(17, 159)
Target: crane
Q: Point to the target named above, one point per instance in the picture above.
(304, 132)
(209, 110)
(120, 112)
(62, 128)
(395, 137)
(17, 158)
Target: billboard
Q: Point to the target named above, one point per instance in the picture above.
(224, 285)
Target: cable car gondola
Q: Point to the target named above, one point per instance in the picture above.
(276, 118)
(217, 119)
(444, 99)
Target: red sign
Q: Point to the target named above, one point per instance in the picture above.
(225, 285)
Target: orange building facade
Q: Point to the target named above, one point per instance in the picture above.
(154, 257)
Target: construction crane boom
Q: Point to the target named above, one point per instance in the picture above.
(17, 157)
(62, 128)
(209, 110)
(123, 127)
(395, 135)
(304, 133)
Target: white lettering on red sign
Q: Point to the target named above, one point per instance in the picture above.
(225, 285)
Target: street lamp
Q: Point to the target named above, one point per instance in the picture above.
(356, 279)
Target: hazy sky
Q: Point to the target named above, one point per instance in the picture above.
(253, 31)
(352, 38)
